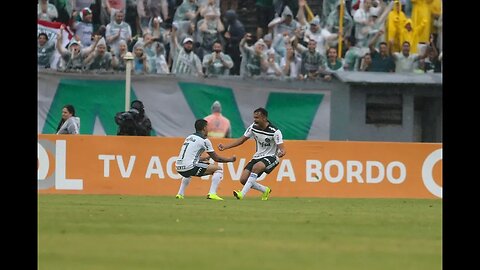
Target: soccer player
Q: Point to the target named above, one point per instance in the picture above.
(189, 162)
(269, 149)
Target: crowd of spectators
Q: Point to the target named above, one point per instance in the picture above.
(208, 38)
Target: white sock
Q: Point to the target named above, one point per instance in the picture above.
(250, 181)
(216, 178)
(259, 187)
(183, 186)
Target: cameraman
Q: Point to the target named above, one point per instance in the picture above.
(133, 122)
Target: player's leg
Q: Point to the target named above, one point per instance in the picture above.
(217, 176)
(257, 169)
(270, 163)
(244, 177)
(183, 185)
(198, 170)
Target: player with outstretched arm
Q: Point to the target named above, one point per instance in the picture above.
(189, 162)
(269, 149)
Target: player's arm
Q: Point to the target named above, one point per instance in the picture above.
(281, 150)
(220, 159)
(236, 143)
(204, 158)
(278, 137)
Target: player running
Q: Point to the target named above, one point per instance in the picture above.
(269, 149)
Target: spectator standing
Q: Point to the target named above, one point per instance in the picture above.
(109, 7)
(69, 124)
(208, 6)
(46, 11)
(394, 26)
(281, 4)
(265, 13)
(73, 57)
(217, 63)
(118, 63)
(313, 63)
(285, 24)
(432, 63)
(149, 9)
(118, 30)
(410, 34)
(381, 61)
(140, 61)
(150, 48)
(84, 27)
(363, 23)
(422, 10)
(334, 64)
(366, 62)
(333, 23)
(353, 54)
(45, 51)
(99, 59)
(273, 68)
(185, 61)
(209, 31)
(254, 58)
(404, 61)
(321, 36)
(218, 125)
(328, 7)
(235, 31)
(315, 31)
(291, 63)
(187, 11)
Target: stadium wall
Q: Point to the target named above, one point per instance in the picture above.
(86, 164)
(358, 106)
(372, 106)
(173, 103)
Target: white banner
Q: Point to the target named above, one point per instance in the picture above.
(52, 30)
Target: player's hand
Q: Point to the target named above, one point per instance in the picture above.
(281, 154)
(221, 147)
(234, 158)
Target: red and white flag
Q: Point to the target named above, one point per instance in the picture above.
(52, 29)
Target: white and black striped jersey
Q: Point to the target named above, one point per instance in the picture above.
(192, 148)
(266, 140)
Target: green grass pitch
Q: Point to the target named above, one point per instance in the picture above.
(150, 232)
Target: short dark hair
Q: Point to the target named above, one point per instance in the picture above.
(383, 43)
(70, 109)
(261, 111)
(332, 48)
(406, 42)
(43, 34)
(200, 124)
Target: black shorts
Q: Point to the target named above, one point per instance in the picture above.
(198, 170)
(270, 163)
